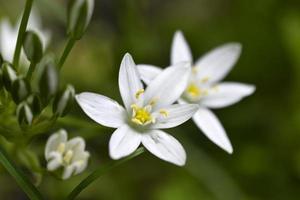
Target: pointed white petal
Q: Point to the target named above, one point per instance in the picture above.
(168, 86)
(123, 142)
(217, 63)
(53, 142)
(164, 146)
(212, 128)
(174, 115)
(129, 81)
(226, 94)
(180, 50)
(148, 72)
(102, 109)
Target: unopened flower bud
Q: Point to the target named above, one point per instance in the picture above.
(24, 114)
(9, 75)
(47, 79)
(20, 90)
(35, 104)
(33, 47)
(79, 16)
(63, 101)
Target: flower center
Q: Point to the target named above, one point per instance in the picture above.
(66, 155)
(193, 90)
(142, 115)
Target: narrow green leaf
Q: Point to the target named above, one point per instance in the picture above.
(99, 172)
(31, 191)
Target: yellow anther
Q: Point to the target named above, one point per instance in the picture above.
(153, 102)
(139, 93)
(68, 156)
(164, 112)
(204, 80)
(194, 70)
(141, 115)
(215, 88)
(193, 90)
(61, 148)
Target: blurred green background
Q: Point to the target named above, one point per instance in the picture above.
(264, 128)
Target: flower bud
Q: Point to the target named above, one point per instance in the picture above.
(20, 90)
(34, 103)
(63, 101)
(9, 75)
(24, 114)
(47, 79)
(79, 16)
(33, 47)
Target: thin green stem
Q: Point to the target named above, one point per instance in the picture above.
(31, 191)
(67, 50)
(99, 172)
(30, 70)
(21, 33)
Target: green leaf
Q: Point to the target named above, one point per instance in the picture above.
(99, 172)
(31, 191)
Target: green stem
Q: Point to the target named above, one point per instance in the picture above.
(20, 178)
(99, 172)
(21, 33)
(68, 48)
(30, 70)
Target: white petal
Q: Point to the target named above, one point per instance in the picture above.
(68, 172)
(165, 147)
(76, 144)
(168, 86)
(226, 94)
(217, 63)
(129, 81)
(180, 49)
(102, 109)
(212, 128)
(54, 140)
(55, 162)
(81, 163)
(8, 39)
(148, 72)
(174, 115)
(123, 142)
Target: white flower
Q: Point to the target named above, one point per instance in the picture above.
(146, 111)
(9, 35)
(203, 86)
(68, 154)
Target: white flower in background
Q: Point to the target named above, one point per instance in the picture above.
(67, 154)
(204, 87)
(146, 111)
(9, 35)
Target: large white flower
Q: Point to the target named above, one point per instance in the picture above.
(68, 154)
(203, 85)
(9, 35)
(146, 111)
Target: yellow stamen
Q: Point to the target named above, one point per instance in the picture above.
(139, 93)
(164, 112)
(68, 156)
(193, 90)
(141, 115)
(194, 70)
(204, 80)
